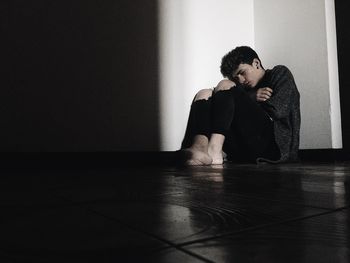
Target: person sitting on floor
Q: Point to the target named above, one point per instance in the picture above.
(251, 115)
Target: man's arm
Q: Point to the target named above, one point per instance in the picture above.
(284, 88)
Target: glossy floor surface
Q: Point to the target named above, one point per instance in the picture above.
(160, 213)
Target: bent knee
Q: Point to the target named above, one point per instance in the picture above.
(225, 84)
(203, 94)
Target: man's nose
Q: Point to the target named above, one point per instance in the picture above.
(241, 79)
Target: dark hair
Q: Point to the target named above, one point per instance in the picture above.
(232, 59)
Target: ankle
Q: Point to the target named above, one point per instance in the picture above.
(214, 149)
(200, 143)
(216, 143)
(199, 147)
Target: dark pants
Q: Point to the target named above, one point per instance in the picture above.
(247, 128)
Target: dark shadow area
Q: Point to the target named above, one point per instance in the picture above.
(343, 42)
(29, 161)
(79, 76)
(266, 213)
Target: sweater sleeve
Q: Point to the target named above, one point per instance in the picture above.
(251, 93)
(284, 88)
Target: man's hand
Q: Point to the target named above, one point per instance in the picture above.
(224, 84)
(263, 94)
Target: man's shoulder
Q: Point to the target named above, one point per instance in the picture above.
(280, 72)
(280, 69)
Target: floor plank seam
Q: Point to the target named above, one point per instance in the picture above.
(169, 243)
(258, 227)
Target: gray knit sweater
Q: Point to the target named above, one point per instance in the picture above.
(284, 108)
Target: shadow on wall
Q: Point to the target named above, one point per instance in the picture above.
(80, 76)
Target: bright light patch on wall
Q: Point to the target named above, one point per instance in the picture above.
(333, 75)
(194, 35)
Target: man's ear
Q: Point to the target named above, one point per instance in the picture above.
(256, 63)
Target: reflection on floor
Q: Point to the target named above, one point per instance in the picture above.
(160, 213)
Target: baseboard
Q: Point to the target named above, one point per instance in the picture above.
(100, 160)
(324, 155)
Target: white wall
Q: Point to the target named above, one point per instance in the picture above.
(301, 35)
(194, 35)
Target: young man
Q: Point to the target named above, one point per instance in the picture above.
(253, 115)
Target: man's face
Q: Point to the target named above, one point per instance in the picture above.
(248, 75)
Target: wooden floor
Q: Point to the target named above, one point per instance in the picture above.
(165, 213)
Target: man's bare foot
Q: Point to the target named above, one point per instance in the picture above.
(197, 157)
(216, 155)
(215, 148)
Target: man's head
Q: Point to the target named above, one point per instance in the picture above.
(242, 65)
